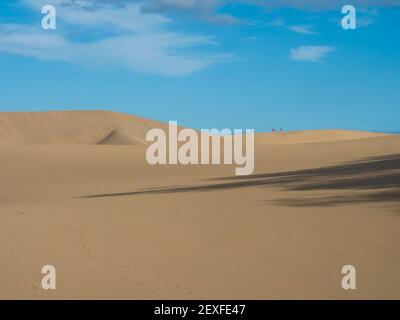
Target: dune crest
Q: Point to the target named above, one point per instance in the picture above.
(313, 136)
(73, 127)
(113, 128)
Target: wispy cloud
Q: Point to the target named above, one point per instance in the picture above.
(210, 5)
(184, 4)
(323, 4)
(278, 22)
(302, 29)
(148, 52)
(367, 17)
(310, 53)
(206, 10)
(128, 38)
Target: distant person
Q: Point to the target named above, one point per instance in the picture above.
(273, 130)
(281, 129)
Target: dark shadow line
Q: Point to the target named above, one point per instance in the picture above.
(380, 173)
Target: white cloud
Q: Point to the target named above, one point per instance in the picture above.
(185, 4)
(149, 52)
(26, 41)
(129, 38)
(310, 53)
(366, 17)
(88, 13)
(203, 9)
(302, 29)
(278, 22)
(323, 4)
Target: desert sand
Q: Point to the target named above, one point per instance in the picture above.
(76, 192)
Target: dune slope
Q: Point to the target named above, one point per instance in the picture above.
(112, 128)
(313, 136)
(73, 127)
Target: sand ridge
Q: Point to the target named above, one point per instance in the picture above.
(112, 128)
(73, 127)
(314, 136)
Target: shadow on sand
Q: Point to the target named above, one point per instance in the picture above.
(378, 178)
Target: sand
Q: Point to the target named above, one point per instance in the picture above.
(76, 192)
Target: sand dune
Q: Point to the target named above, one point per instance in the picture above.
(116, 227)
(105, 127)
(73, 127)
(313, 136)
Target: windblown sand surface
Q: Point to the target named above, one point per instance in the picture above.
(76, 192)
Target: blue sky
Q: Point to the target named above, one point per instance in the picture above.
(210, 63)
